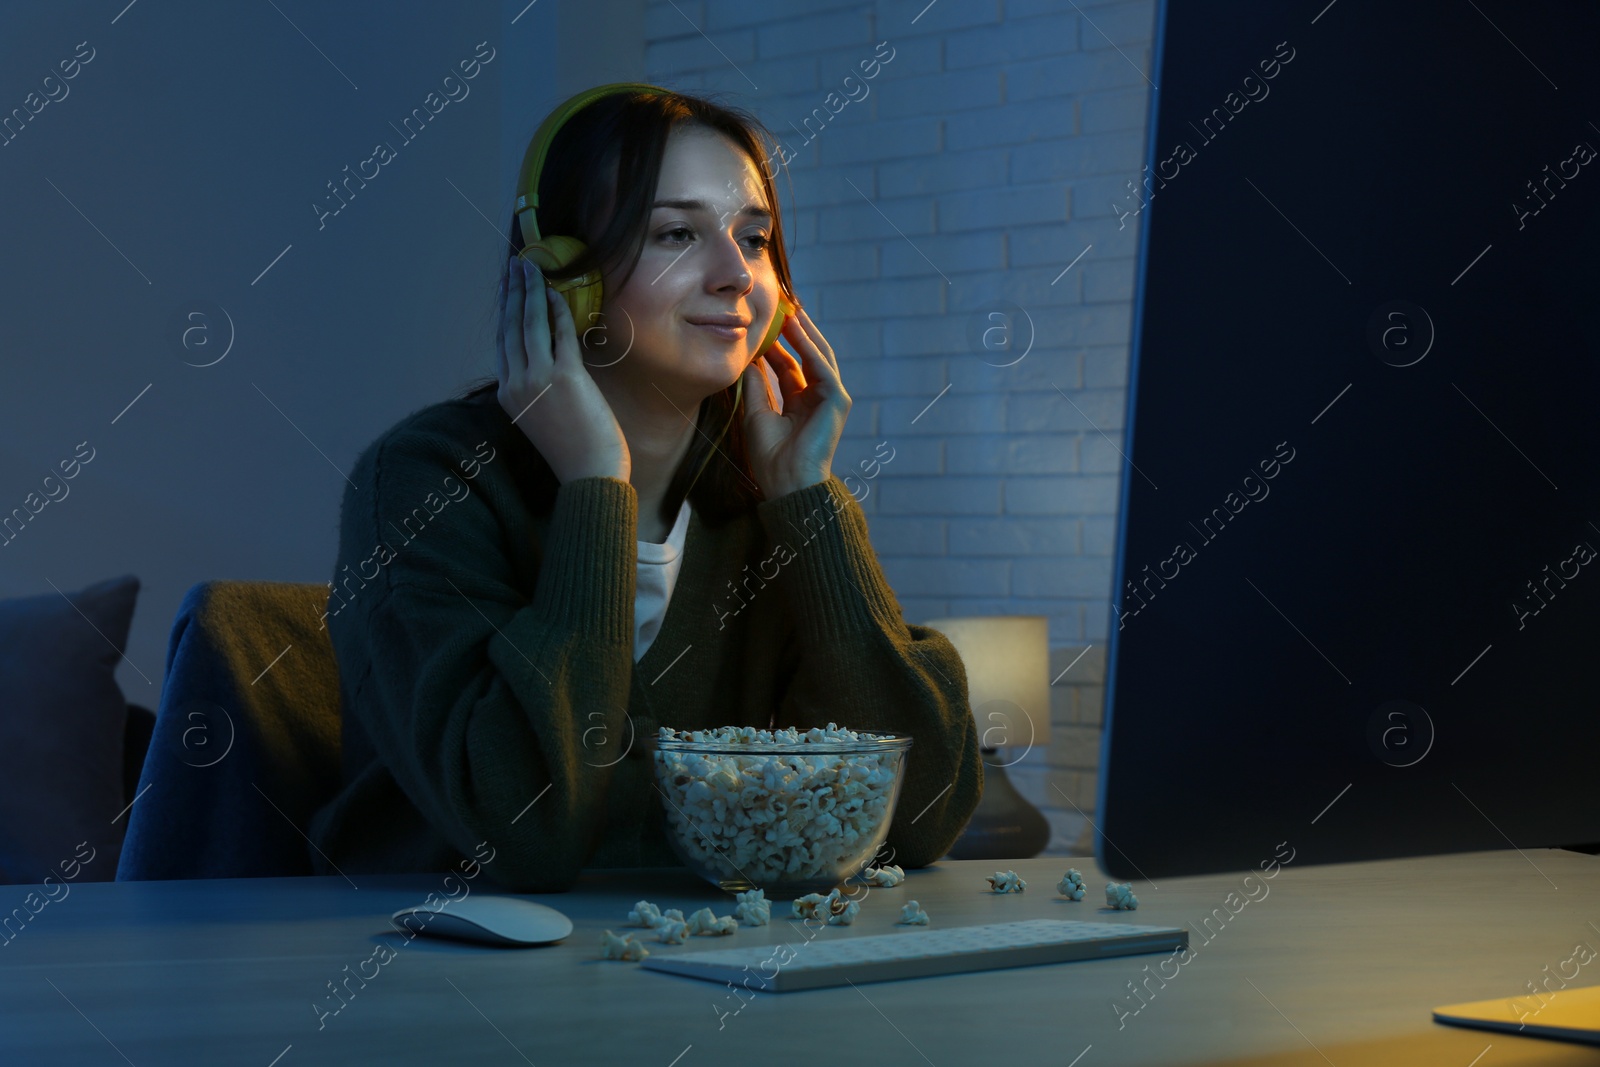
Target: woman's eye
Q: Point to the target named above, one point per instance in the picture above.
(672, 236)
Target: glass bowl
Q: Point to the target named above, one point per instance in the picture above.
(789, 812)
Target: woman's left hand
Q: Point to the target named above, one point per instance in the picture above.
(794, 449)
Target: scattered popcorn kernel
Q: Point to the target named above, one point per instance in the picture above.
(1006, 882)
(1120, 895)
(1071, 885)
(845, 914)
(703, 922)
(806, 907)
(613, 947)
(644, 913)
(912, 915)
(753, 908)
(672, 913)
(887, 876)
(672, 931)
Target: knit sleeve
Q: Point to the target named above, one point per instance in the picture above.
(497, 708)
(856, 662)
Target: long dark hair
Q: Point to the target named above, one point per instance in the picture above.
(625, 134)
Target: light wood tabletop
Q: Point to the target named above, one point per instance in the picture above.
(1316, 965)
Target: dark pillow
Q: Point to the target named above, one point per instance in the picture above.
(62, 723)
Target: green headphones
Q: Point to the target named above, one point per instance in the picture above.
(584, 293)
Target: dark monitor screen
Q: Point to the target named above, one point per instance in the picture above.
(1357, 600)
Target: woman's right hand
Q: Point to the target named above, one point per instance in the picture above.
(574, 428)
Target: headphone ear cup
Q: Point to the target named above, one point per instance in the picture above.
(584, 293)
(785, 310)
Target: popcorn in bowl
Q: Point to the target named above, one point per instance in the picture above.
(783, 810)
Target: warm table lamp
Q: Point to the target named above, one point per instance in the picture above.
(1007, 658)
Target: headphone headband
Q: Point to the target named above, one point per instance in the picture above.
(533, 160)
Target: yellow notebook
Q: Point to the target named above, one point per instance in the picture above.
(1565, 1015)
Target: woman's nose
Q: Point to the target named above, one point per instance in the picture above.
(728, 266)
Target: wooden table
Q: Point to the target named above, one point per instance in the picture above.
(1337, 965)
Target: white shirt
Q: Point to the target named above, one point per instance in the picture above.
(657, 573)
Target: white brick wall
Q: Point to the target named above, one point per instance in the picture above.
(986, 157)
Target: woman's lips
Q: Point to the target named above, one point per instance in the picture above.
(727, 333)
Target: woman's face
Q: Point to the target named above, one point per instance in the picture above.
(704, 257)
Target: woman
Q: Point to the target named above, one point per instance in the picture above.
(599, 563)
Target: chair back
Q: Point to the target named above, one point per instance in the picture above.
(246, 742)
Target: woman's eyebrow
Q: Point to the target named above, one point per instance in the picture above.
(700, 205)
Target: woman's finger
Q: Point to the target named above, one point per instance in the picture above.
(806, 347)
(516, 333)
(767, 376)
(791, 377)
(566, 334)
(500, 335)
(536, 323)
(823, 373)
(815, 335)
(758, 402)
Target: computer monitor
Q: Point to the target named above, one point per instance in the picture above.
(1357, 584)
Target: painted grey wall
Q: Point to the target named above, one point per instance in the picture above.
(177, 172)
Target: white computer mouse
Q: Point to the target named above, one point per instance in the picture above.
(490, 920)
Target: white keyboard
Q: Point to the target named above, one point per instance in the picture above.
(833, 957)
